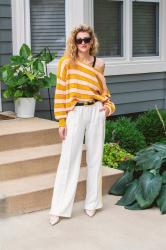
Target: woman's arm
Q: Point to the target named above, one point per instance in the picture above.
(60, 93)
(108, 103)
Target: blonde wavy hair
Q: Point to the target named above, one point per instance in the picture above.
(71, 47)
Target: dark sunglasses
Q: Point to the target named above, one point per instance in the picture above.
(85, 39)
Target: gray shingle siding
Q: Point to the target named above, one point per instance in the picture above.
(5, 39)
(137, 93)
(131, 93)
(5, 31)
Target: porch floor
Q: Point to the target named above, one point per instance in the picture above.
(113, 227)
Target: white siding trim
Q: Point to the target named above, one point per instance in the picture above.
(73, 16)
(127, 31)
(88, 12)
(78, 12)
(20, 24)
(124, 68)
(163, 29)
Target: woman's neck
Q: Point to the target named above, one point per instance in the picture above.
(84, 57)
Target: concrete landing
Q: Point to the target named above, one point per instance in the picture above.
(112, 228)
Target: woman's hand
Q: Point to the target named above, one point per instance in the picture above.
(63, 132)
(106, 110)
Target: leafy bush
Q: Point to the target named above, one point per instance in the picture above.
(113, 155)
(151, 127)
(124, 132)
(148, 186)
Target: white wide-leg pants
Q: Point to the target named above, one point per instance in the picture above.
(89, 121)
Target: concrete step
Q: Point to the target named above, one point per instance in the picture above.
(7, 115)
(31, 132)
(31, 161)
(34, 193)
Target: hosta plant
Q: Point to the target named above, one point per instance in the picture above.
(143, 183)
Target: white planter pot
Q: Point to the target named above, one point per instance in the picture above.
(25, 107)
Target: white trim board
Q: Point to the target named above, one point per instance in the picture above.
(20, 24)
(123, 68)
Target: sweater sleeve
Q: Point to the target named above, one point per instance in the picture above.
(108, 103)
(60, 94)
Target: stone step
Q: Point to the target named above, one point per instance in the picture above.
(34, 193)
(31, 161)
(31, 132)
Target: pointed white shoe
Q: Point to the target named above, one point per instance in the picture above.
(54, 219)
(90, 212)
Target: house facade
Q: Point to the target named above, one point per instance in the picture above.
(131, 34)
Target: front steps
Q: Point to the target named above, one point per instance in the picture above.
(21, 133)
(29, 155)
(31, 161)
(35, 192)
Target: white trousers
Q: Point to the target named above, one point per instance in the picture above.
(89, 121)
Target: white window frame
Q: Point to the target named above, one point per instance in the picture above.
(140, 58)
(81, 11)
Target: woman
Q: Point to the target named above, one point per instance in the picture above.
(81, 104)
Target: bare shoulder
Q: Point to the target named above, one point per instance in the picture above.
(100, 64)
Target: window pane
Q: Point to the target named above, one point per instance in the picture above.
(48, 25)
(145, 29)
(108, 17)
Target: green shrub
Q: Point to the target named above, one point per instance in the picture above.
(151, 127)
(113, 155)
(124, 132)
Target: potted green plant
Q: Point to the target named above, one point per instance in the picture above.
(24, 77)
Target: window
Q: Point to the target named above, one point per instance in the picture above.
(108, 23)
(127, 45)
(145, 28)
(140, 21)
(47, 25)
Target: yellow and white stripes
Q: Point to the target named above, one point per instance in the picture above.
(78, 82)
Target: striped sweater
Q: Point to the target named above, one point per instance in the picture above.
(78, 82)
